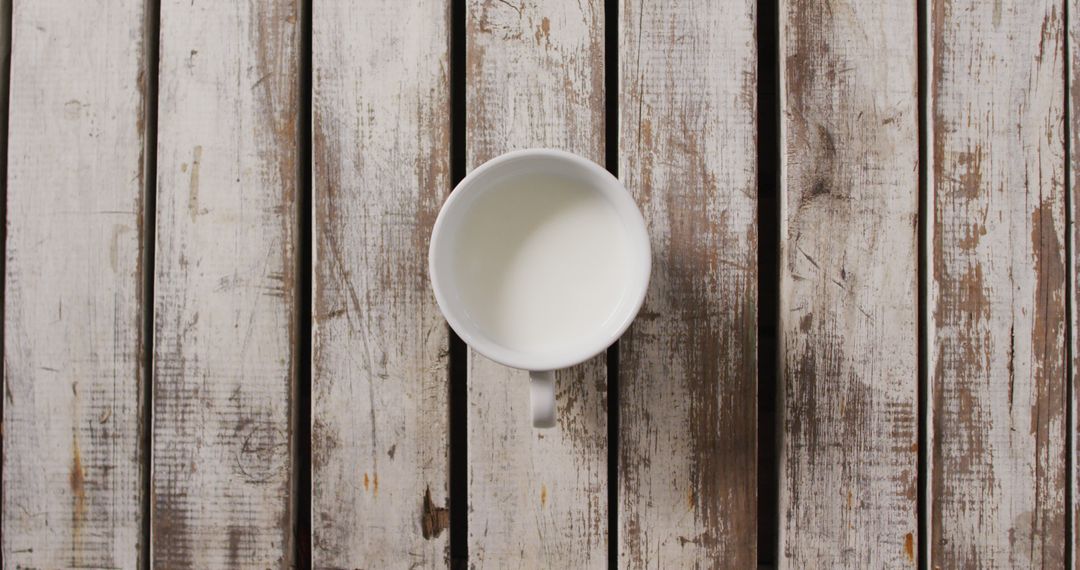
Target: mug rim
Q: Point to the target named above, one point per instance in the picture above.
(561, 358)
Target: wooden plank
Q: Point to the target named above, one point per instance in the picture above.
(849, 213)
(1073, 237)
(381, 158)
(535, 78)
(998, 284)
(688, 365)
(225, 321)
(72, 314)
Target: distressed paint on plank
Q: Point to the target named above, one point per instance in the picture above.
(849, 368)
(224, 331)
(73, 321)
(1073, 102)
(535, 73)
(998, 284)
(688, 365)
(381, 159)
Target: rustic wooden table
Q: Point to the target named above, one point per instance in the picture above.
(221, 349)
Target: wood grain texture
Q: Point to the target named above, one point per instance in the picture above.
(688, 365)
(73, 324)
(381, 159)
(998, 284)
(1073, 237)
(849, 213)
(537, 498)
(225, 308)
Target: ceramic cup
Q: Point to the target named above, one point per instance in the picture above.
(539, 260)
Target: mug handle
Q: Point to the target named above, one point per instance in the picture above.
(542, 396)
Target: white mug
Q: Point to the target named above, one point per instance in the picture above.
(539, 260)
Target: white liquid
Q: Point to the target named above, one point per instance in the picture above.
(542, 263)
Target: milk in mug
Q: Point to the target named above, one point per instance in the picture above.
(542, 261)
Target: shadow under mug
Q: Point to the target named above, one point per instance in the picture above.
(540, 260)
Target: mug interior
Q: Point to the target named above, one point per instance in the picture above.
(539, 259)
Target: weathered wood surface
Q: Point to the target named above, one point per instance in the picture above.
(226, 313)
(225, 308)
(998, 284)
(72, 320)
(688, 365)
(1073, 203)
(381, 171)
(535, 78)
(849, 368)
